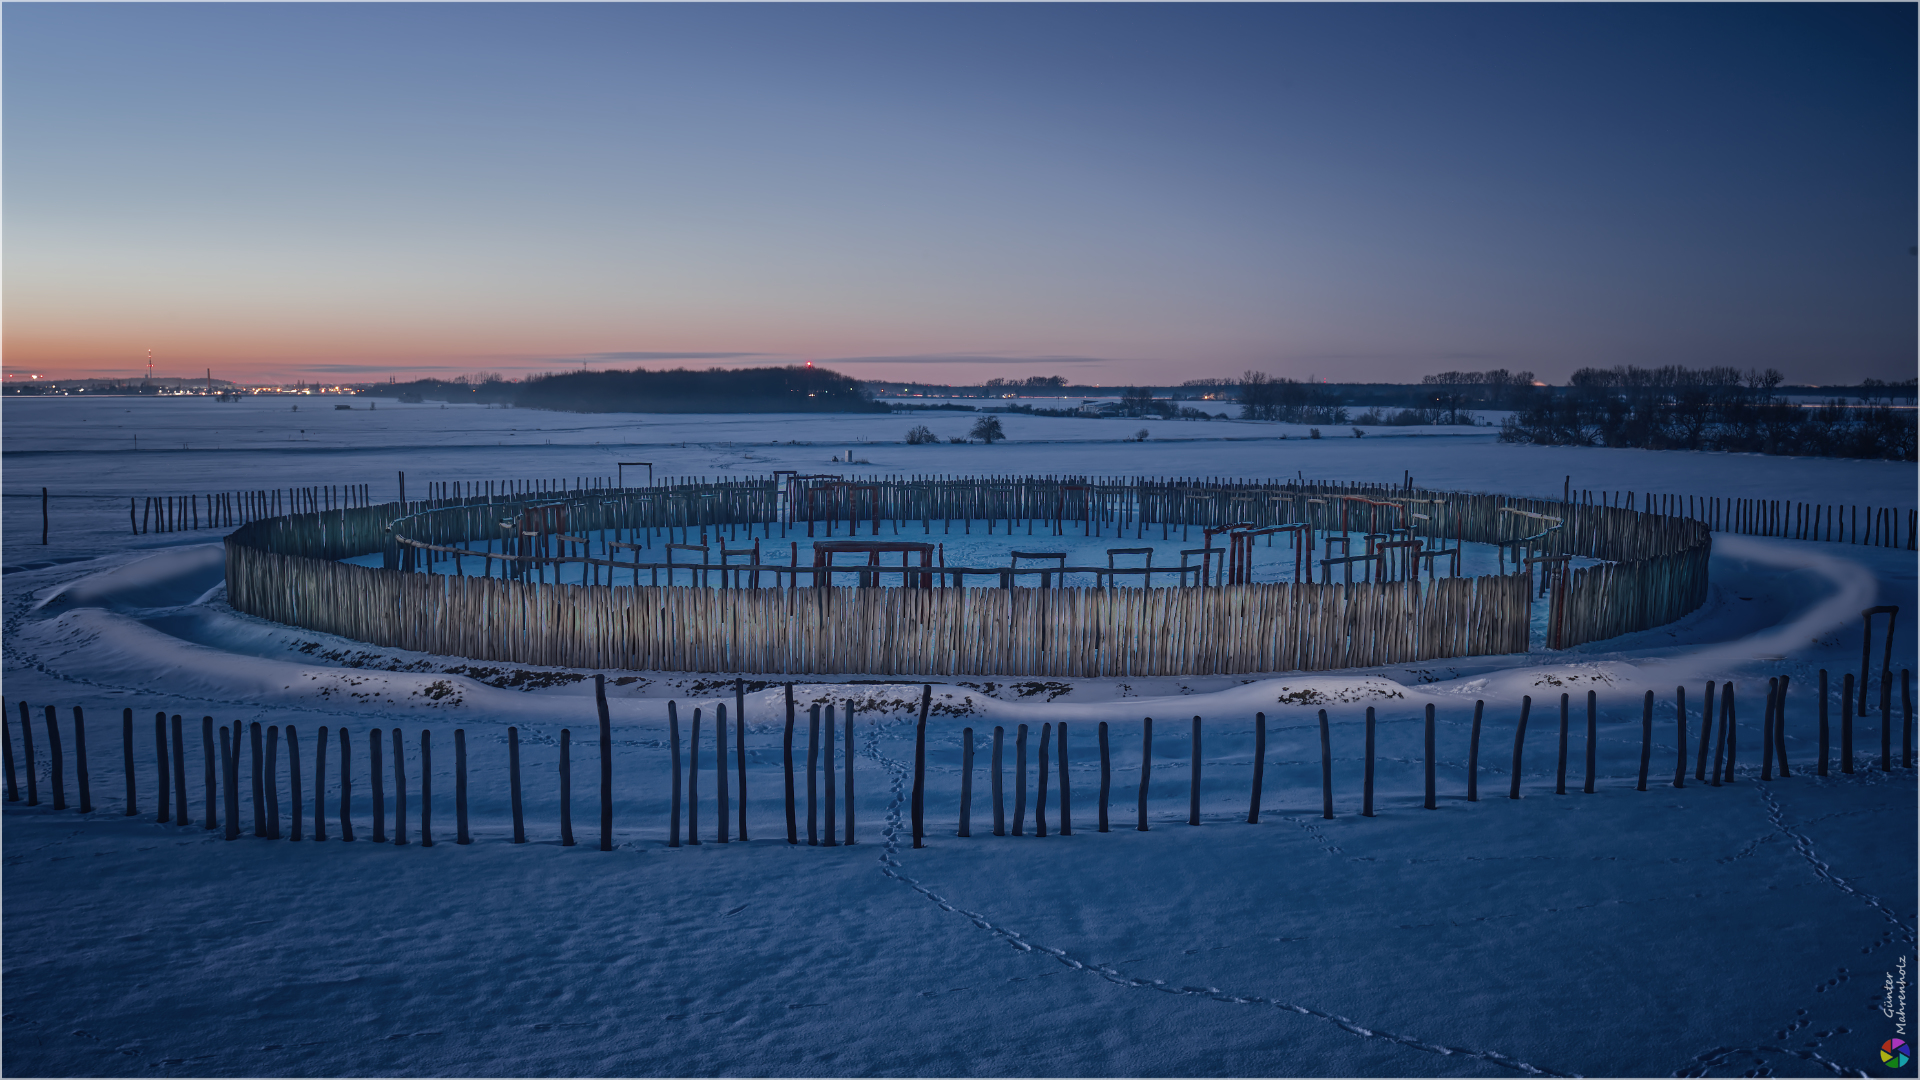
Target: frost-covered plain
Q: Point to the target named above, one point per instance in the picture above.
(1738, 930)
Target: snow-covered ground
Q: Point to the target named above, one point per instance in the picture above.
(1744, 929)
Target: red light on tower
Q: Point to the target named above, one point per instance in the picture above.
(809, 363)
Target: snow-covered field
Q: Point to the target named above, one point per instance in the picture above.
(1745, 929)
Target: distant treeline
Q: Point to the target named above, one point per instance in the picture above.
(1720, 408)
(681, 390)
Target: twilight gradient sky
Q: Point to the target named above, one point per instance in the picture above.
(1113, 193)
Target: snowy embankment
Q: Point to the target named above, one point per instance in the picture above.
(1707, 929)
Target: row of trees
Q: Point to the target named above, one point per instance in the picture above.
(1718, 408)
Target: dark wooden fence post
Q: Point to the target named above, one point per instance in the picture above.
(58, 760)
(1366, 775)
(566, 788)
(1259, 765)
(293, 782)
(1646, 741)
(1066, 788)
(1519, 743)
(999, 786)
(1040, 802)
(846, 719)
(32, 768)
(229, 761)
(1193, 784)
(1106, 775)
(80, 760)
(426, 788)
(320, 786)
(1473, 753)
(606, 763)
(793, 823)
(212, 777)
(966, 782)
(1733, 726)
(1780, 725)
(829, 811)
(1432, 803)
(1766, 730)
(1846, 723)
(1326, 768)
(346, 787)
(165, 812)
(740, 749)
(1560, 776)
(1593, 737)
(179, 773)
(919, 805)
(272, 781)
(673, 743)
(378, 775)
(1146, 769)
(1680, 720)
(1720, 736)
(1707, 725)
(813, 771)
(460, 787)
(723, 832)
(13, 782)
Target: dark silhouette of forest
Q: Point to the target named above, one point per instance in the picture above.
(680, 390)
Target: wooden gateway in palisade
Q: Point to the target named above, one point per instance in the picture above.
(594, 578)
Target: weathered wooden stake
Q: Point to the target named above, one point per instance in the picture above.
(320, 786)
(813, 762)
(1193, 774)
(1680, 720)
(1780, 725)
(1646, 741)
(1707, 725)
(1020, 781)
(918, 807)
(829, 813)
(13, 782)
(272, 781)
(211, 777)
(1431, 803)
(966, 782)
(606, 763)
(1326, 768)
(793, 823)
(740, 749)
(1040, 802)
(230, 763)
(566, 787)
(1066, 787)
(346, 788)
(179, 773)
(378, 773)
(1146, 769)
(293, 782)
(999, 792)
(1733, 726)
(1473, 754)
(26, 745)
(1846, 723)
(1519, 743)
(720, 771)
(165, 813)
(1720, 736)
(1560, 776)
(1106, 776)
(426, 788)
(846, 719)
(58, 759)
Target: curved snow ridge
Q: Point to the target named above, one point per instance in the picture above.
(1853, 587)
(1804, 845)
(891, 867)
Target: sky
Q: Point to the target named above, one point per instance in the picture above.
(948, 193)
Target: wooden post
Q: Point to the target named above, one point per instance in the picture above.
(1366, 783)
(999, 793)
(1766, 730)
(513, 770)
(165, 813)
(1780, 725)
(211, 777)
(1519, 743)
(1733, 726)
(460, 787)
(1560, 776)
(1326, 768)
(179, 773)
(378, 772)
(1593, 736)
(80, 778)
(720, 770)
(1431, 804)
(1680, 721)
(740, 747)
(320, 786)
(813, 762)
(847, 720)
(673, 743)
(1020, 781)
(58, 760)
(231, 769)
(1706, 734)
(566, 787)
(919, 805)
(426, 788)
(1106, 776)
(793, 824)
(13, 780)
(606, 762)
(1846, 724)
(1146, 769)
(829, 813)
(1193, 774)
(271, 780)
(966, 782)
(1646, 741)
(346, 789)
(1040, 801)
(1720, 737)
(26, 746)
(293, 782)
(1066, 787)
(1473, 754)
(1259, 765)
(399, 790)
